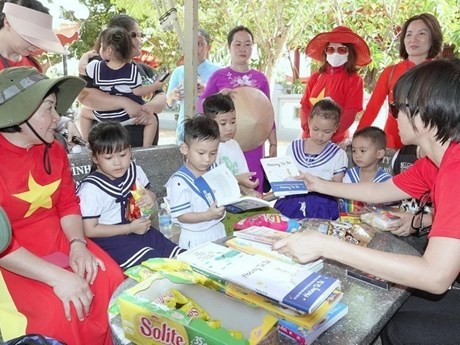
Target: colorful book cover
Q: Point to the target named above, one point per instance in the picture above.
(261, 234)
(308, 321)
(299, 289)
(305, 336)
(280, 172)
(253, 247)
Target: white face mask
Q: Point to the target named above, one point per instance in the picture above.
(336, 60)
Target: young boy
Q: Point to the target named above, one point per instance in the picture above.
(191, 202)
(368, 148)
(221, 108)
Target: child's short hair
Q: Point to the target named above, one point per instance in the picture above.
(374, 134)
(200, 128)
(120, 40)
(108, 137)
(218, 104)
(328, 109)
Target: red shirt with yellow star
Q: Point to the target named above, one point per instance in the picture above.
(35, 202)
(344, 88)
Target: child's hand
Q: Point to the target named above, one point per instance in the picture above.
(158, 85)
(84, 60)
(216, 212)
(246, 181)
(254, 193)
(148, 199)
(140, 226)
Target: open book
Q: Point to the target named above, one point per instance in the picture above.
(280, 172)
(227, 193)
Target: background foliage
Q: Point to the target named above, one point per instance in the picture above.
(278, 26)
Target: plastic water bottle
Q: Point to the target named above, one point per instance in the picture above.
(164, 221)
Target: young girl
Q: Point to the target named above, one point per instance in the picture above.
(106, 200)
(319, 156)
(192, 204)
(117, 75)
(221, 108)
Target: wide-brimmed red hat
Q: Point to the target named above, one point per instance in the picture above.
(340, 34)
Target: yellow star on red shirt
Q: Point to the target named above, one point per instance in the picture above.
(318, 98)
(38, 195)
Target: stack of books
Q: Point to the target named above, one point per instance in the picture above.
(305, 335)
(303, 328)
(259, 240)
(297, 295)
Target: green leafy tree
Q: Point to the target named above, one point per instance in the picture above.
(278, 26)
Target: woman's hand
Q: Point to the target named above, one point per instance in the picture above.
(273, 150)
(84, 263)
(311, 182)
(245, 180)
(143, 116)
(200, 87)
(140, 226)
(72, 288)
(404, 227)
(302, 247)
(72, 131)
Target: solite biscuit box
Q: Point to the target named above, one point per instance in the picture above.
(146, 321)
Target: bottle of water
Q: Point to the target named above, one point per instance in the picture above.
(164, 221)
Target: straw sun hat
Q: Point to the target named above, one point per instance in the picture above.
(341, 34)
(34, 26)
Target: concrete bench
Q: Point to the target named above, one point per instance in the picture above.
(158, 163)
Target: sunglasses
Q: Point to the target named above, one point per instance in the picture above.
(417, 219)
(394, 108)
(332, 50)
(134, 34)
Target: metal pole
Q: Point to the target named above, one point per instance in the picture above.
(190, 50)
(180, 34)
(64, 65)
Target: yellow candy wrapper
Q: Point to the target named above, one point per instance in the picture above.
(134, 211)
(173, 299)
(194, 311)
